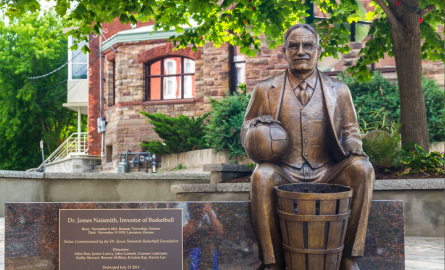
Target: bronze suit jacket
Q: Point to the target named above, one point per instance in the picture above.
(343, 129)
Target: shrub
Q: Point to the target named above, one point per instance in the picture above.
(419, 161)
(382, 140)
(435, 109)
(224, 128)
(380, 93)
(179, 134)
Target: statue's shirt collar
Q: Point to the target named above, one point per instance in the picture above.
(295, 81)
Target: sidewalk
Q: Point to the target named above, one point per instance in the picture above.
(421, 253)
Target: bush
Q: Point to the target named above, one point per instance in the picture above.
(224, 128)
(382, 141)
(179, 134)
(378, 93)
(420, 161)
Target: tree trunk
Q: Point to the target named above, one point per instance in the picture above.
(406, 38)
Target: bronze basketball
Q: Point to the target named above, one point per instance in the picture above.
(267, 143)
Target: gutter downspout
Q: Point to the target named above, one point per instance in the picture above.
(102, 152)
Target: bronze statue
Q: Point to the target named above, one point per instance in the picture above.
(323, 140)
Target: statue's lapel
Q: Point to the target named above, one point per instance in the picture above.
(329, 93)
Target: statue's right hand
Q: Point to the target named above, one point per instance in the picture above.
(264, 119)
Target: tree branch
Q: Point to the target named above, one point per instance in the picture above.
(389, 15)
(426, 10)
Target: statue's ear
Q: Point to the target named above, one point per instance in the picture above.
(320, 51)
(283, 50)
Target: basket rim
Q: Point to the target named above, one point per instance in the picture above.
(314, 196)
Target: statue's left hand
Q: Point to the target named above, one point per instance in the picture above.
(357, 152)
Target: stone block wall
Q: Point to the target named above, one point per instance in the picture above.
(126, 126)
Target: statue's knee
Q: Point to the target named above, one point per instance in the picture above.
(263, 173)
(361, 165)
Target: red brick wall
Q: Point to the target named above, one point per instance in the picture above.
(94, 138)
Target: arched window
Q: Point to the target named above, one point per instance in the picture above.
(170, 78)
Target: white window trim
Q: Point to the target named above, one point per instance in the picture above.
(70, 58)
(189, 78)
(175, 88)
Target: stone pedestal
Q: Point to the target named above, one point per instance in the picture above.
(32, 235)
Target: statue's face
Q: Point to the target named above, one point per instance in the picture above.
(301, 50)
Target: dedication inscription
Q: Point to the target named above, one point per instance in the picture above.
(98, 239)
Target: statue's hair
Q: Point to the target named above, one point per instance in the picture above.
(298, 25)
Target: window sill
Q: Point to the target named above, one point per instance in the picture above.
(169, 101)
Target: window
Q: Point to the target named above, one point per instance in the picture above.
(170, 78)
(78, 66)
(109, 153)
(237, 68)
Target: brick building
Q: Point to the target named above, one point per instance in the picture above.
(142, 72)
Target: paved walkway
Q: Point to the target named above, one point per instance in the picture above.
(422, 253)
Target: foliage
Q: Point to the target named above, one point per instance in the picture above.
(179, 134)
(31, 110)
(435, 109)
(241, 22)
(382, 141)
(227, 117)
(379, 94)
(382, 43)
(418, 161)
(178, 167)
(251, 165)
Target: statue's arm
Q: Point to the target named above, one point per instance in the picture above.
(352, 142)
(257, 109)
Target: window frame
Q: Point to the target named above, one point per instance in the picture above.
(163, 76)
(233, 73)
(70, 59)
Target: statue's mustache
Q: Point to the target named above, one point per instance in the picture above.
(305, 57)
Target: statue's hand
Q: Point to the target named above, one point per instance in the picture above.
(265, 119)
(357, 152)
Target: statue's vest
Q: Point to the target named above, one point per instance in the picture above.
(306, 127)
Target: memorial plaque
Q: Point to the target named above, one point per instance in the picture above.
(98, 239)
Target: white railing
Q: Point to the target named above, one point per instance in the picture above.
(73, 146)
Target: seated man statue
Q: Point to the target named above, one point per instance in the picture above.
(324, 144)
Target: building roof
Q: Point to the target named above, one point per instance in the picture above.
(143, 33)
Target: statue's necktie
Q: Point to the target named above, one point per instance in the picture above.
(303, 95)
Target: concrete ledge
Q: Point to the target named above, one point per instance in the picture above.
(423, 199)
(211, 188)
(403, 184)
(128, 176)
(16, 186)
(21, 174)
(226, 167)
(407, 184)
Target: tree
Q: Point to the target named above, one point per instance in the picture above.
(396, 30)
(31, 109)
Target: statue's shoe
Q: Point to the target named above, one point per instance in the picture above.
(349, 264)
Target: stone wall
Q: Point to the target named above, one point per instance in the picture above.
(94, 138)
(73, 165)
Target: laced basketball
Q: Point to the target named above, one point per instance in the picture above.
(271, 143)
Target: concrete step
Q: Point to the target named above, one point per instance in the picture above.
(95, 171)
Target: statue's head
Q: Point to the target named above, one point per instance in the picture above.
(301, 48)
